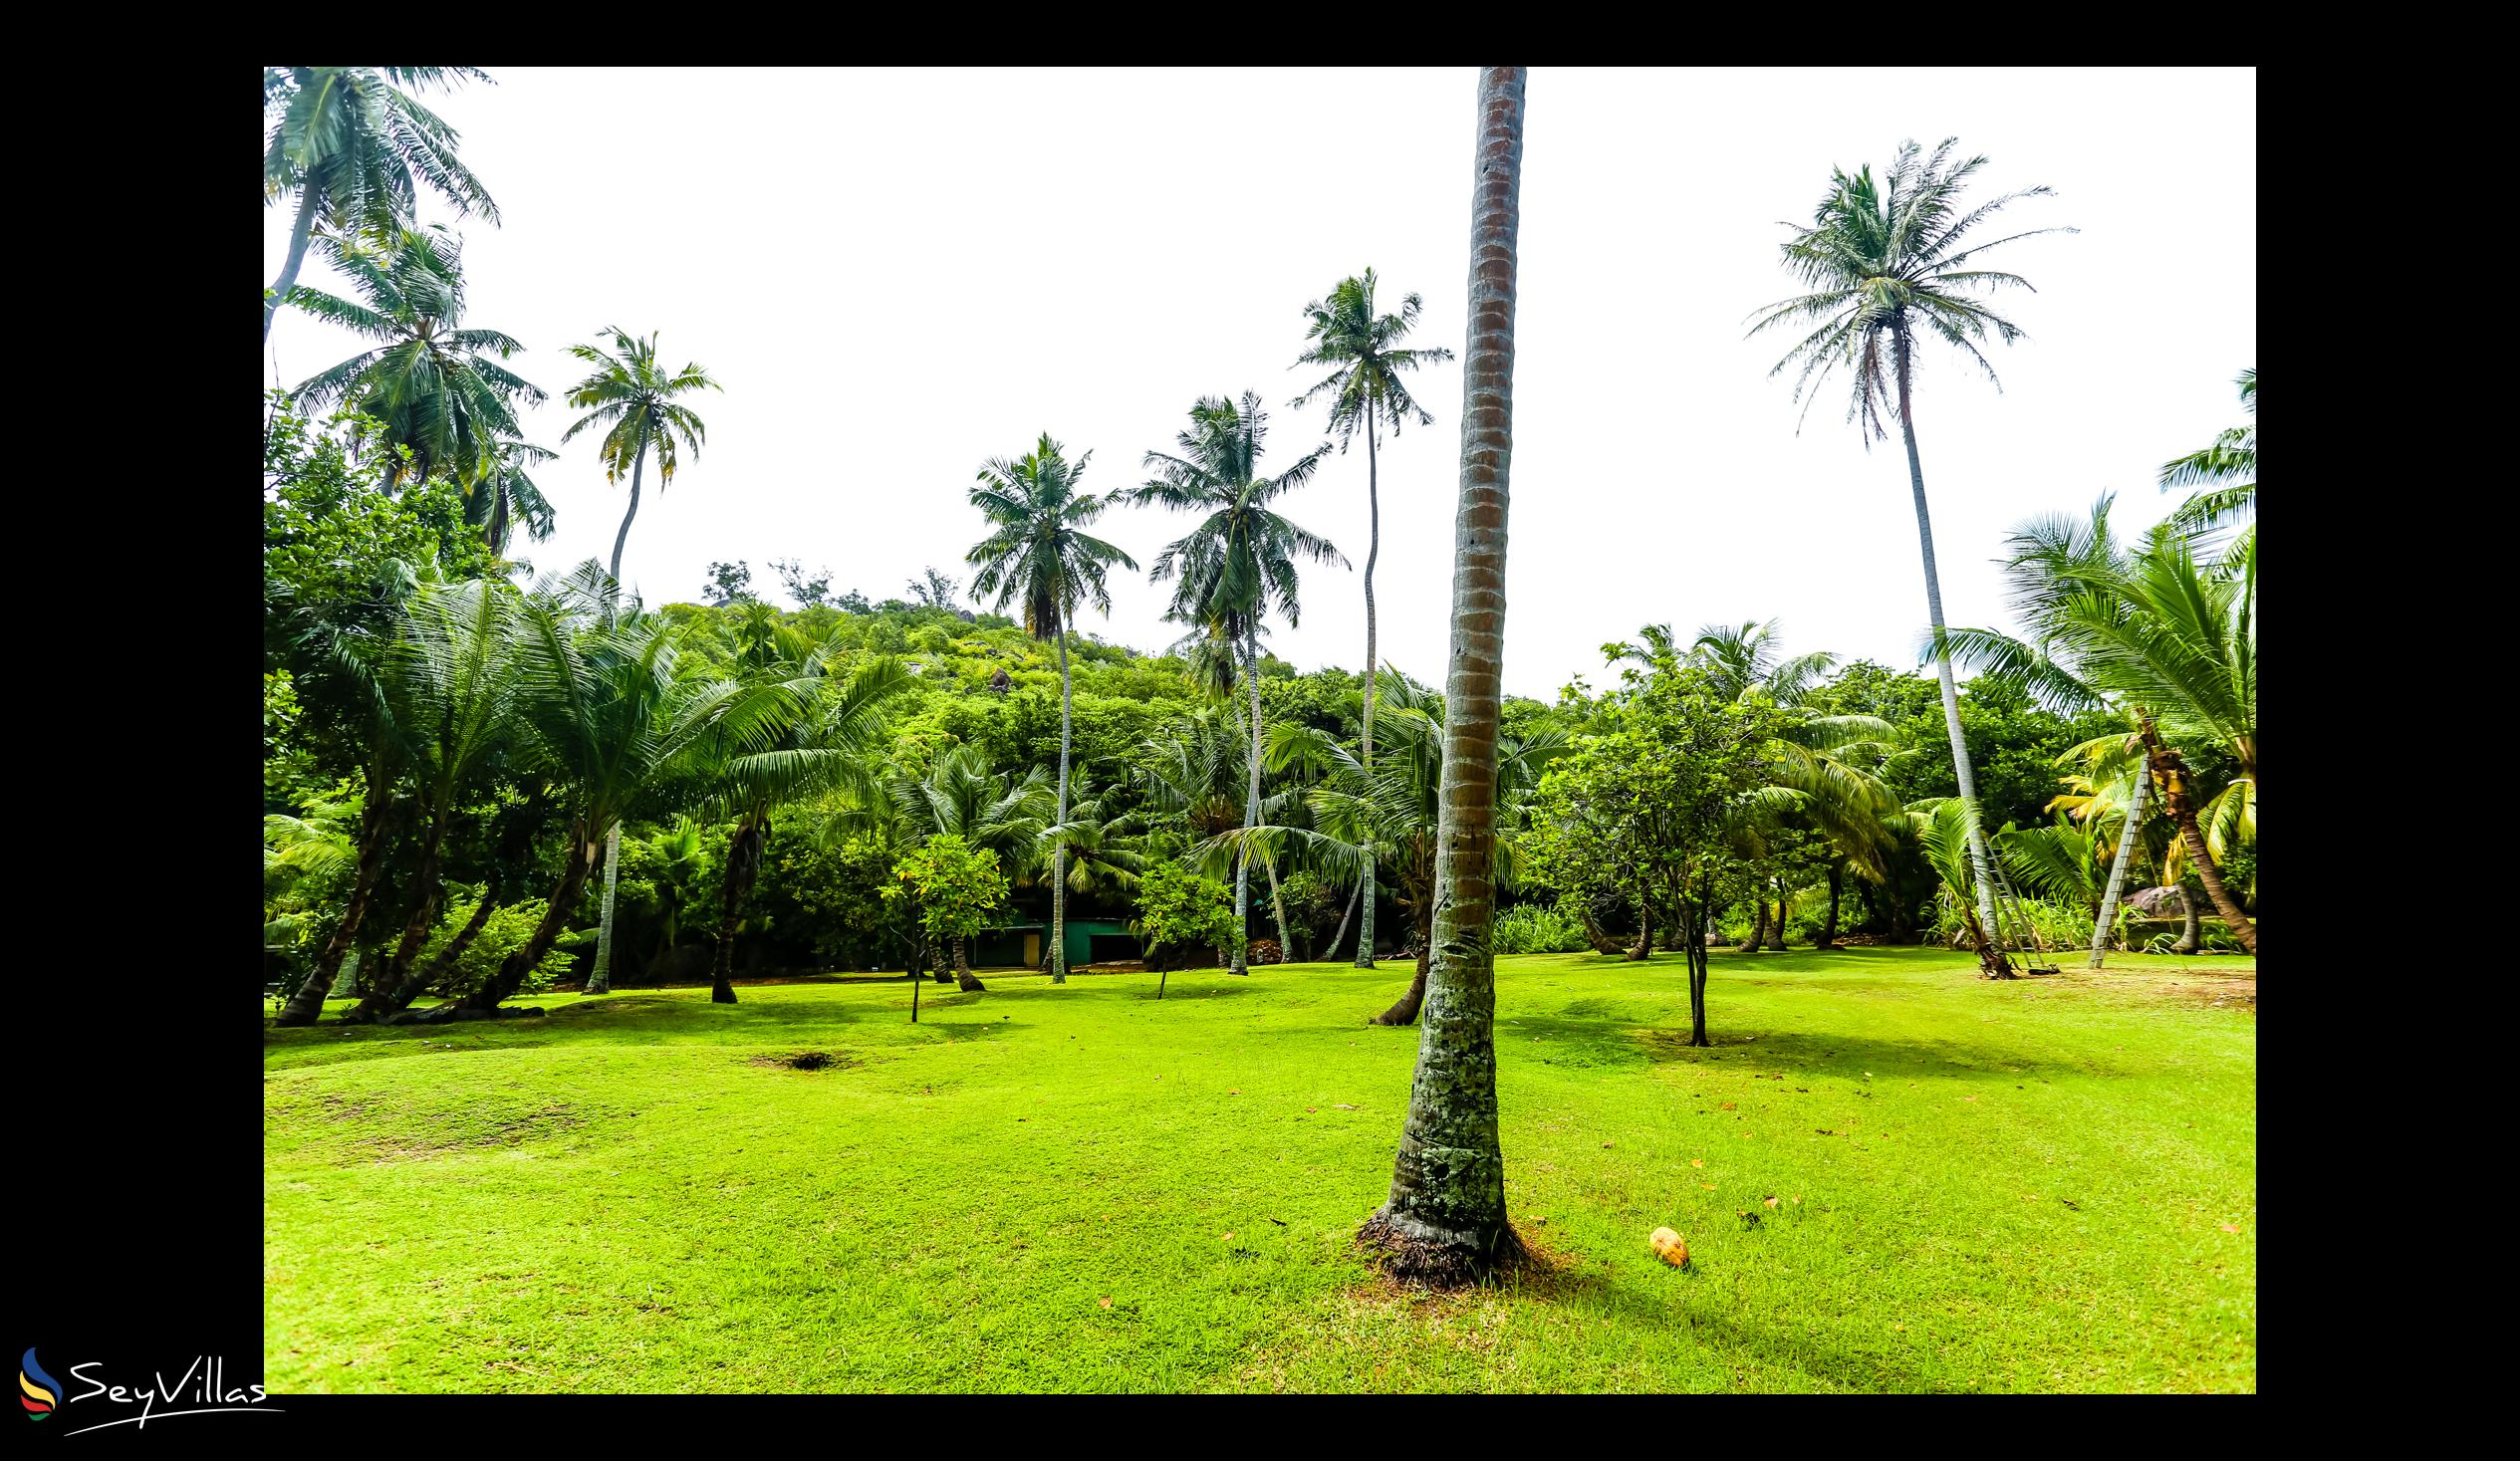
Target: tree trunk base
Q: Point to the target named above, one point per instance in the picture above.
(967, 984)
(1404, 1011)
(721, 993)
(451, 1012)
(1412, 1252)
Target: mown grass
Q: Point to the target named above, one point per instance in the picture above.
(2026, 1186)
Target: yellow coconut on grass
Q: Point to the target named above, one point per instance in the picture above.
(1668, 1247)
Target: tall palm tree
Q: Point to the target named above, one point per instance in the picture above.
(1884, 261)
(2223, 476)
(349, 142)
(635, 399)
(1038, 551)
(1445, 1219)
(1237, 564)
(1367, 361)
(437, 386)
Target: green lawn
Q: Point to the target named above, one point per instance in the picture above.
(2025, 1186)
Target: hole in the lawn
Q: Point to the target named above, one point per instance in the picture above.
(803, 1060)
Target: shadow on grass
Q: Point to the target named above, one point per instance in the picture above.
(1612, 1042)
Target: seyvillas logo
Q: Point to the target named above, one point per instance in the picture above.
(38, 1393)
(201, 1390)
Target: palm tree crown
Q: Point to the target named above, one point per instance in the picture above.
(1881, 259)
(1239, 562)
(1038, 550)
(437, 386)
(350, 144)
(1366, 360)
(633, 396)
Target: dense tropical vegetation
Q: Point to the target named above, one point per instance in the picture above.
(920, 786)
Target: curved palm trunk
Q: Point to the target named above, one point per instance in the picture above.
(2171, 769)
(743, 865)
(307, 1003)
(1601, 942)
(963, 965)
(300, 234)
(2106, 918)
(1277, 907)
(1776, 930)
(1250, 816)
(2191, 934)
(1828, 931)
(1353, 896)
(599, 981)
(1444, 1221)
(1991, 957)
(427, 887)
(1372, 551)
(1059, 855)
(1758, 927)
(496, 534)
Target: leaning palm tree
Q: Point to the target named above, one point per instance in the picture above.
(445, 401)
(608, 718)
(633, 399)
(2223, 476)
(1445, 1219)
(354, 146)
(1038, 552)
(1885, 262)
(1367, 361)
(2157, 633)
(1237, 564)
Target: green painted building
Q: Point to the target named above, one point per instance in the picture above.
(1021, 945)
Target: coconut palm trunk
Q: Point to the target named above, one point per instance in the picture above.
(743, 865)
(1990, 958)
(300, 233)
(2117, 865)
(1444, 1221)
(964, 979)
(1059, 854)
(601, 980)
(1250, 815)
(1344, 921)
(423, 916)
(307, 1003)
(1828, 931)
(1372, 551)
(2170, 770)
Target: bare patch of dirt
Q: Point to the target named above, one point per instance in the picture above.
(804, 1059)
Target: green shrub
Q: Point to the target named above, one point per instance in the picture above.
(1537, 928)
(505, 933)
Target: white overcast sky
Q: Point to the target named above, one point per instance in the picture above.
(899, 274)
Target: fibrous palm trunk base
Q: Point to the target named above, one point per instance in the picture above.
(1415, 1251)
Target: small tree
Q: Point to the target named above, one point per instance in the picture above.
(808, 588)
(955, 886)
(729, 583)
(1176, 905)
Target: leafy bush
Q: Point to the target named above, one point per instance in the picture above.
(507, 931)
(1537, 928)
